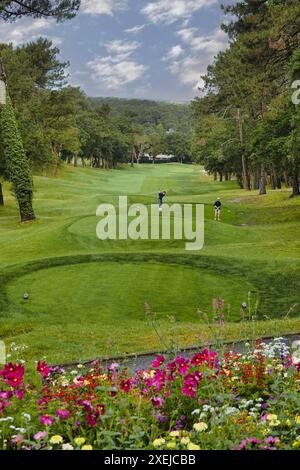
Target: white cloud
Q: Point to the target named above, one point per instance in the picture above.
(26, 30)
(102, 7)
(121, 48)
(203, 48)
(169, 11)
(135, 29)
(210, 43)
(115, 74)
(118, 68)
(174, 53)
(188, 71)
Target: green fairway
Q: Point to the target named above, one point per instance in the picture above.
(87, 296)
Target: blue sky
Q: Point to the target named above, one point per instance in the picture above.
(152, 49)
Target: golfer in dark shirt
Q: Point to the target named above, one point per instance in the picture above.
(218, 206)
(161, 195)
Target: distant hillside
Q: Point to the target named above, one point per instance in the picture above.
(150, 113)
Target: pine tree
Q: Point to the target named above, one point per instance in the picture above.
(17, 165)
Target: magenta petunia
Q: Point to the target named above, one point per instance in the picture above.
(46, 420)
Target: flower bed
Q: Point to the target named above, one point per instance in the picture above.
(207, 401)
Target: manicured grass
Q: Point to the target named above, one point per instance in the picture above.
(87, 296)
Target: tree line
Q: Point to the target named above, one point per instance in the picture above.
(56, 123)
(246, 123)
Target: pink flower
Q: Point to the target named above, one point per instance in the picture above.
(189, 390)
(46, 420)
(206, 356)
(19, 394)
(43, 369)
(64, 414)
(13, 373)
(157, 402)
(4, 404)
(18, 439)
(182, 364)
(193, 379)
(87, 404)
(14, 380)
(40, 435)
(6, 395)
(158, 361)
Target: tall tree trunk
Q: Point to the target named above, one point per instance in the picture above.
(75, 160)
(256, 180)
(83, 162)
(1, 196)
(221, 176)
(272, 180)
(296, 191)
(239, 178)
(215, 176)
(286, 179)
(279, 182)
(246, 176)
(262, 186)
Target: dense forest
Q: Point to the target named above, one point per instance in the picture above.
(247, 123)
(149, 114)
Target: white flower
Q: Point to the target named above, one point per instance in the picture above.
(67, 447)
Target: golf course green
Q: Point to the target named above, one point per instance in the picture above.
(87, 297)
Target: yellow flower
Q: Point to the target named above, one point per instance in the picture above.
(158, 442)
(171, 445)
(297, 419)
(275, 422)
(288, 423)
(296, 444)
(192, 446)
(79, 441)
(174, 433)
(200, 427)
(185, 440)
(271, 417)
(56, 440)
(87, 447)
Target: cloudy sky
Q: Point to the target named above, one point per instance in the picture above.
(153, 49)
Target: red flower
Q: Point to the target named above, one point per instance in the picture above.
(100, 409)
(92, 419)
(125, 385)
